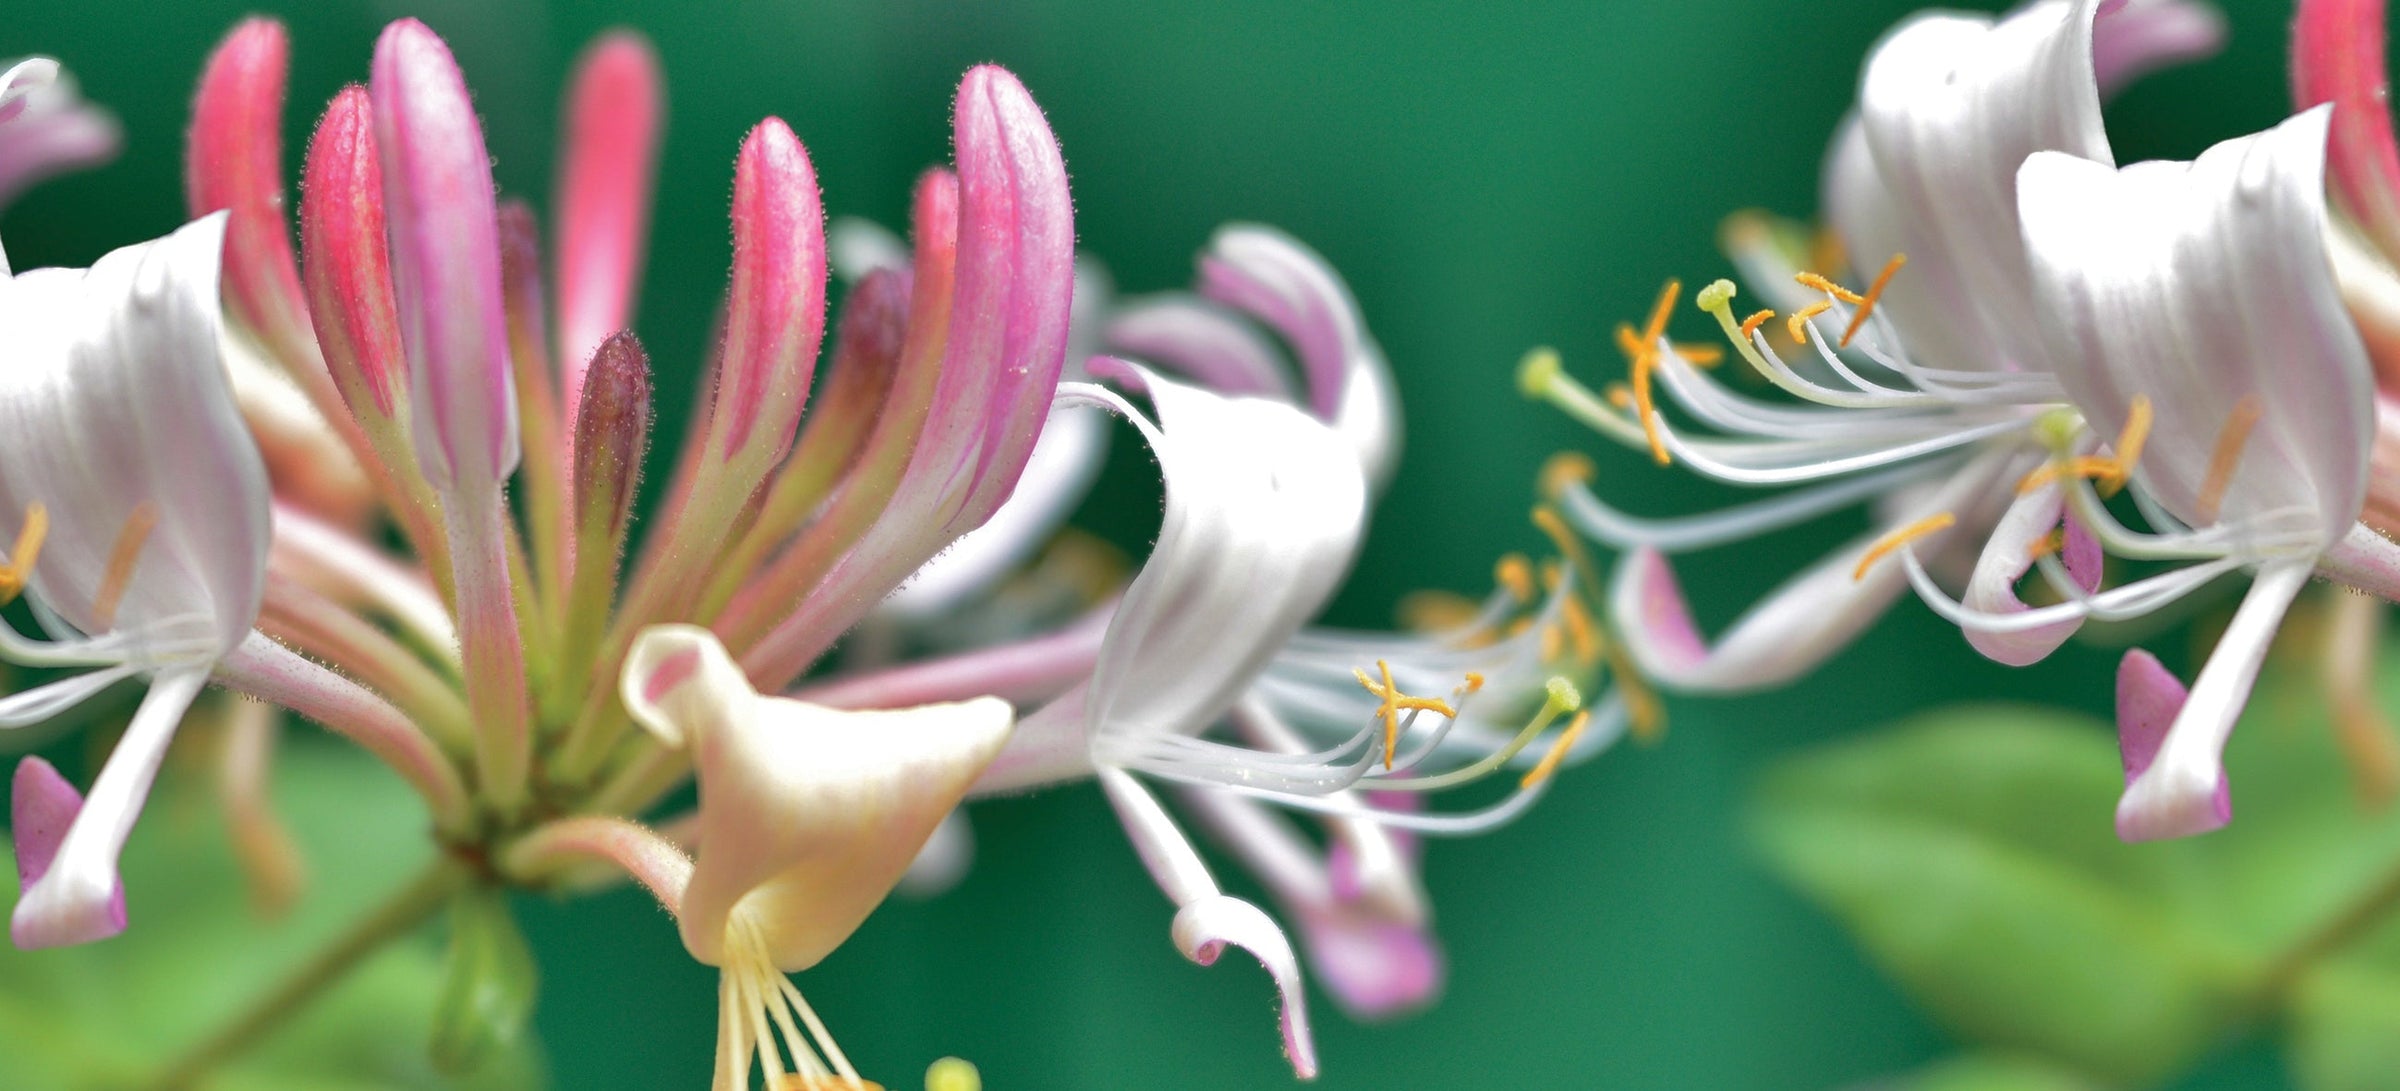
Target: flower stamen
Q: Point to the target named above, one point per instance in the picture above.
(2228, 455)
(1797, 324)
(2047, 544)
(1396, 702)
(1818, 282)
(2109, 472)
(1558, 751)
(15, 574)
(1515, 575)
(1893, 542)
(1866, 303)
(1641, 352)
(1757, 318)
(121, 558)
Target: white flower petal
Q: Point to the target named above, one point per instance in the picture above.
(113, 395)
(1065, 461)
(2205, 287)
(808, 815)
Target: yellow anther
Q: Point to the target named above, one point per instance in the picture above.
(1580, 630)
(1550, 570)
(1700, 355)
(1797, 324)
(2047, 544)
(19, 570)
(121, 557)
(1474, 681)
(1641, 355)
(1437, 612)
(1552, 524)
(1395, 703)
(2128, 447)
(1757, 318)
(1621, 396)
(1558, 751)
(1866, 303)
(1890, 543)
(1816, 282)
(1565, 470)
(2228, 455)
(1554, 643)
(1515, 574)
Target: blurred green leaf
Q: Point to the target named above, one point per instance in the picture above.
(1991, 1072)
(1954, 848)
(489, 985)
(110, 1014)
(1972, 854)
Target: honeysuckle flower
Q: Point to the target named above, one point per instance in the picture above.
(808, 816)
(1926, 393)
(46, 129)
(2201, 296)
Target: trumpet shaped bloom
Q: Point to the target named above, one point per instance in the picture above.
(808, 816)
(146, 560)
(1927, 393)
(2205, 290)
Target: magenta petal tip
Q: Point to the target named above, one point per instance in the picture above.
(42, 807)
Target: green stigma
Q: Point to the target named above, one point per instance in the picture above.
(1537, 371)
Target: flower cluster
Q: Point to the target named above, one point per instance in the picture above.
(386, 479)
(2049, 331)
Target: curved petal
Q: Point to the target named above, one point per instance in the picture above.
(79, 897)
(42, 806)
(2179, 788)
(1265, 506)
(113, 401)
(1202, 930)
(1799, 625)
(2206, 288)
(808, 815)
(47, 129)
(2007, 554)
(1949, 105)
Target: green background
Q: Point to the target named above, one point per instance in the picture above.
(1487, 181)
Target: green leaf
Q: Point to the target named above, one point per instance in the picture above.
(488, 993)
(1992, 1072)
(1956, 850)
(109, 1015)
(1971, 852)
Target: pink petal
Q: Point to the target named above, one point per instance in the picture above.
(2133, 39)
(42, 806)
(2006, 558)
(1375, 969)
(615, 109)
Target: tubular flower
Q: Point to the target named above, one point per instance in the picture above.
(46, 129)
(1264, 508)
(2204, 290)
(1365, 926)
(808, 816)
(146, 559)
(1921, 392)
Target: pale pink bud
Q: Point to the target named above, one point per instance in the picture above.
(445, 260)
(612, 433)
(614, 108)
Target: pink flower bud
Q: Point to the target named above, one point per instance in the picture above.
(445, 260)
(2337, 57)
(610, 163)
(776, 312)
(234, 161)
(349, 267)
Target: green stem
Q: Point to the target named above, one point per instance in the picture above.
(2354, 922)
(396, 917)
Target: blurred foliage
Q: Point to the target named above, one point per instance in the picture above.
(1970, 853)
(106, 1016)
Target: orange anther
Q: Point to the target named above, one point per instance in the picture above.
(19, 570)
(1751, 324)
(1558, 751)
(1515, 573)
(1889, 543)
(1797, 324)
(1816, 282)
(2047, 544)
(121, 558)
(2228, 455)
(1866, 303)
(1395, 703)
